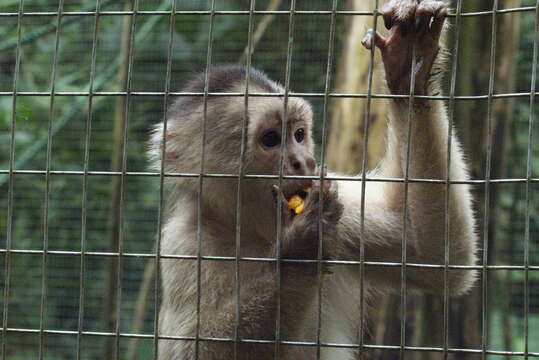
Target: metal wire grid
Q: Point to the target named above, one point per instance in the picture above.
(48, 172)
(486, 218)
(451, 113)
(528, 187)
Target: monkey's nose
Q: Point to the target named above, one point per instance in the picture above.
(311, 164)
(295, 165)
(302, 165)
(297, 168)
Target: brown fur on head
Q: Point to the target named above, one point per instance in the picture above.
(223, 127)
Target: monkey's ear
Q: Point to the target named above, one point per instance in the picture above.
(155, 147)
(159, 145)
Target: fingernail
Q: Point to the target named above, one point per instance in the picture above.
(274, 191)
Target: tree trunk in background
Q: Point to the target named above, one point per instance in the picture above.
(345, 145)
(347, 139)
(110, 312)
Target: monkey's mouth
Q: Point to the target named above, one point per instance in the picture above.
(292, 196)
(296, 204)
(291, 187)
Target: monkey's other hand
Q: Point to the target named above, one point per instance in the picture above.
(301, 232)
(332, 208)
(415, 25)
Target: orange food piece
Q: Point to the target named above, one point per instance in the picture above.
(297, 202)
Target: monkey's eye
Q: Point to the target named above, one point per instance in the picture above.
(271, 139)
(299, 135)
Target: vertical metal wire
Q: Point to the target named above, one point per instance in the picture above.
(529, 185)
(44, 260)
(201, 177)
(88, 134)
(486, 218)
(323, 172)
(241, 172)
(405, 203)
(363, 191)
(160, 209)
(9, 221)
(450, 120)
(130, 57)
(281, 170)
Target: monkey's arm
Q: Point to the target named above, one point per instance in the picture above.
(414, 25)
(426, 204)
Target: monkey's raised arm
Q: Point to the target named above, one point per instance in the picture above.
(414, 25)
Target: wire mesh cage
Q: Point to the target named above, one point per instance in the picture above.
(81, 214)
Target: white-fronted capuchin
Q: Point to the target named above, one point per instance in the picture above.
(413, 24)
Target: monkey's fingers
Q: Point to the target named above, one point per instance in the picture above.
(373, 37)
(330, 190)
(279, 198)
(328, 187)
(275, 192)
(278, 195)
(430, 15)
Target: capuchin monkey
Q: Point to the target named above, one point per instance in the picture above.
(278, 300)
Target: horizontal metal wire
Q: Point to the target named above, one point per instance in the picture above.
(260, 341)
(259, 94)
(242, 12)
(253, 176)
(257, 259)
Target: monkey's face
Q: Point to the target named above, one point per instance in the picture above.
(267, 140)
